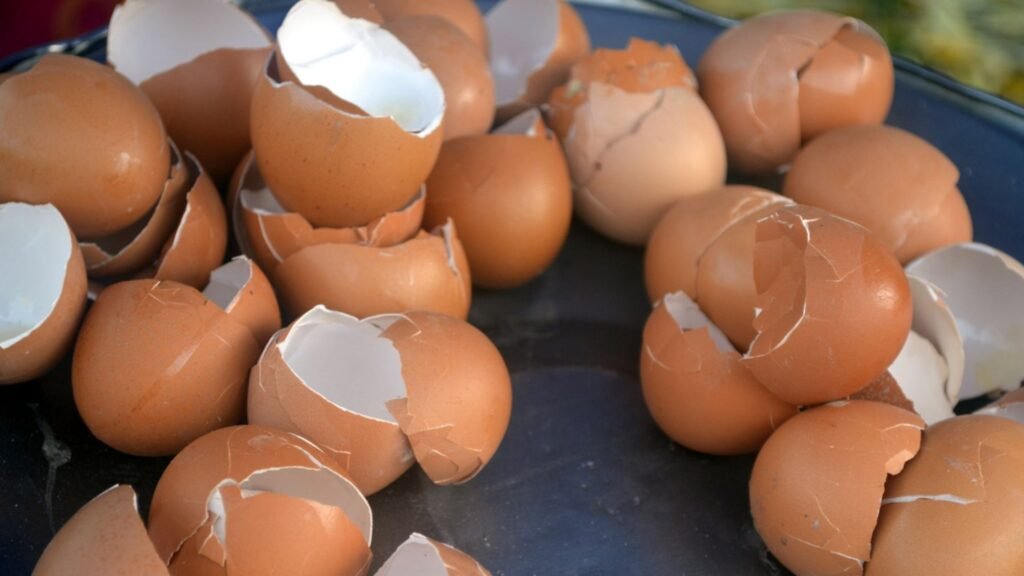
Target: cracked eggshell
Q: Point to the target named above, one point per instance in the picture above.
(533, 46)
(885, 389)
(984, 289)
(198, 62)
(684, 233)
(362, 113)
(460, 67)
(43, 293)
(835, 306)
(463, 14)
(80, 136)
(426, 272)
(812, 72)
(632, 155)
(696, 387)
(184, 374)
(105, 537)
(510, 197)
(362, 9)
(421, 556)
(270, 234)
(958, 507)
(817, 484)
(244, 293)
(240, 500)
(891, 182)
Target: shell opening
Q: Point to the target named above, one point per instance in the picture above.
(688, 316)
(226, 282)
(525, 124)
(523, 35)
(417, 555)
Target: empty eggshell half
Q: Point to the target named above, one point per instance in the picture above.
(510, 198)
(198, 61)
(376, 394)
(696, 386)
(818, 482)
(421, 556)
(242, 290)
(105, 537)
(463, 14)
(42, 295)
(426, 272)
(357, 106)
(534, 44)
(247, 500)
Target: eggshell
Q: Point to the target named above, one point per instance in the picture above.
(363, 9)
(427, 272)
(239, 501)
(242, 290)
(784, 77)
(818, 481)
(42, 295)
(82, 137)
(1009, 406)
(460, 67)
(684, 233)
(421, 556)
(834, 305)
(183, 375)
(889, 181)
(885, 389)
(105, 537)
(632, 155)
(463, 14)
(958, 507)
(533, 46)
(984, 289)
(696, 387)
(375, 393)
(355, 166)
(198, 61)
(510, 197)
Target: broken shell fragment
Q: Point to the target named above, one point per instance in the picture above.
(696, 386)
(463, 14)
(42, 295)
(361, 111)
(376, 394)
(508, 193)
(818, 481)
(105, 537)
(958, 507)
(247, 500)
(242, 290)
(534, 44)
(421, 556)
(198, 61)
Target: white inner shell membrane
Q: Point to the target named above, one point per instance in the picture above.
(346, 361)
(523, 33)
(689, 316)
(148, 37)
(921, 373)
(35, 247)
(524, 124)
(227, 281)
(361, 63)
(417, 556)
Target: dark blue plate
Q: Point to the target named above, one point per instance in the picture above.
(584, 482)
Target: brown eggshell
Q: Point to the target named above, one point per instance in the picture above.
(817, 484)
(364, 9)
(427, 272)
(808, 67)
(201, 238)
(82, 137)
(510, 197)
(885, 389)
(242, 290)
(958, 508)
(463, 14)
(1011, 406)
(183, 375)
(288, 479)
(105, 537)
(460, 67)
(891, 182)
(697, 389)
(137, 246)
(641, 67)
(420, 555)
(835, 306)
(32, 271)
(685, 232)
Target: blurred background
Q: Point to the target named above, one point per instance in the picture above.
(979, 42)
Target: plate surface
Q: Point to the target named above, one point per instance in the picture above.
(584, 482)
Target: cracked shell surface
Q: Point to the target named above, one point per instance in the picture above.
(817, 484)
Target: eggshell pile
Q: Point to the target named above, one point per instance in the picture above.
(376, 393)
(463, 14)
(508, 194)
(42, 295)
(782, 78)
